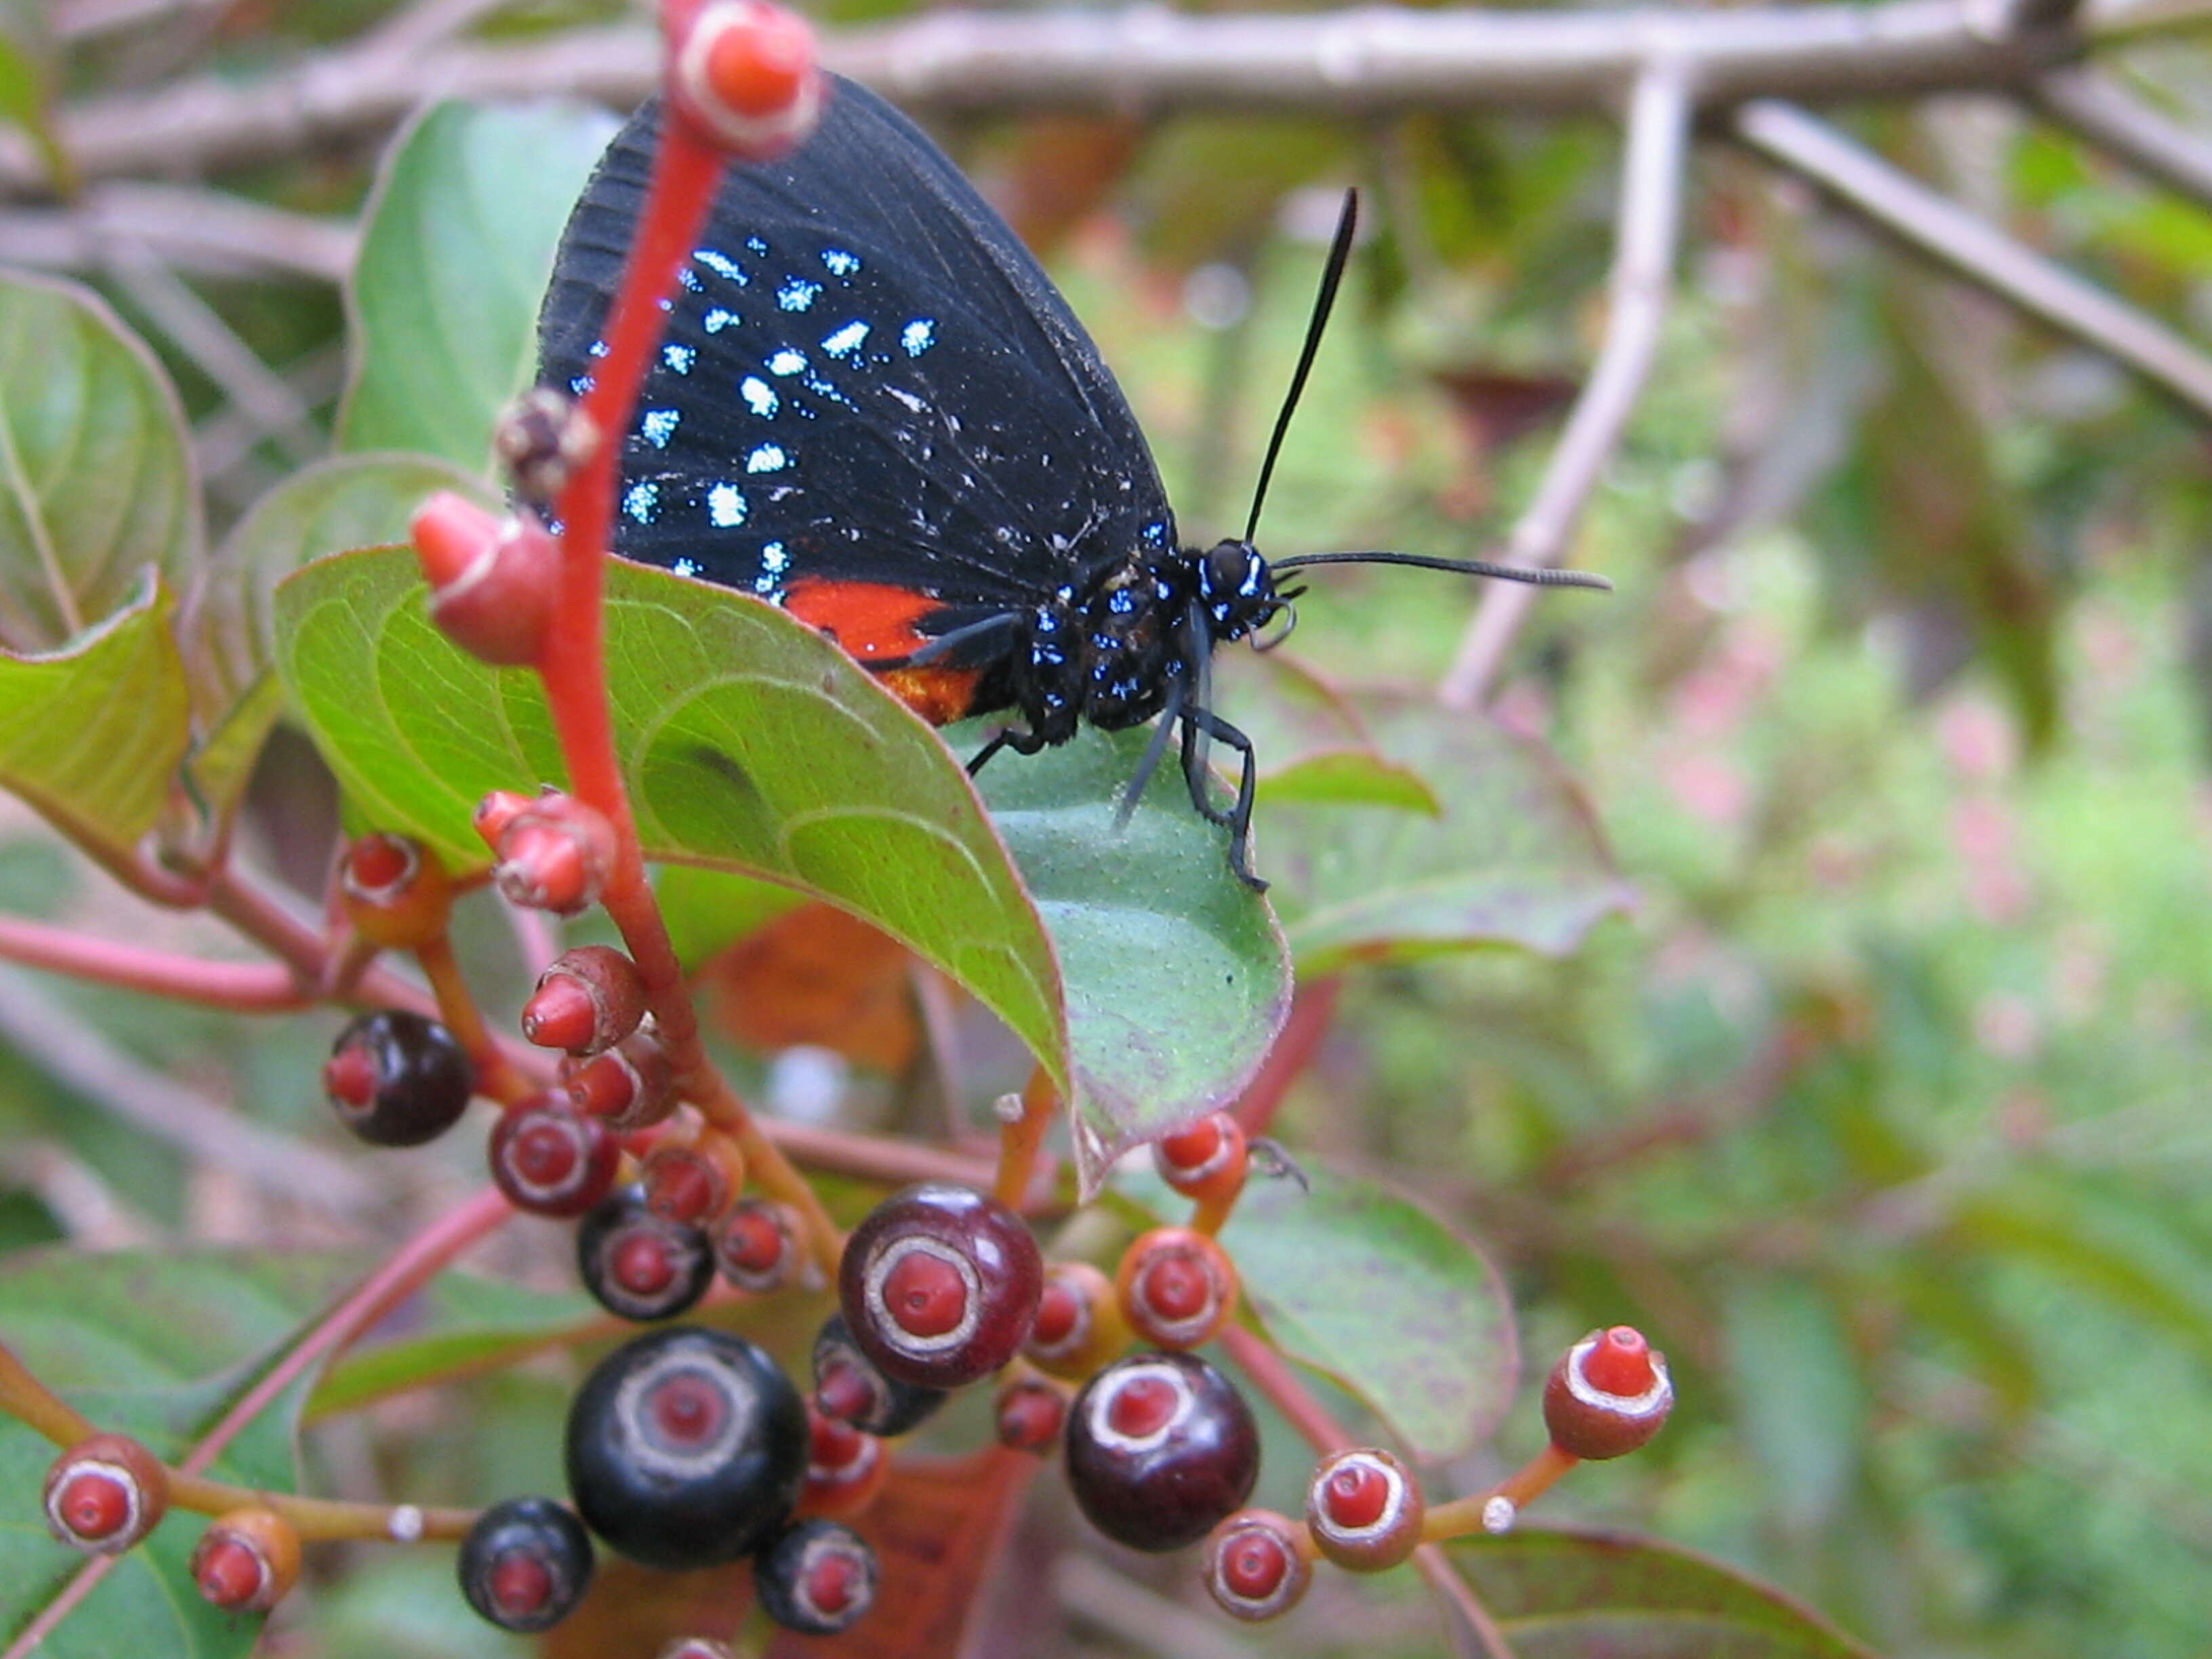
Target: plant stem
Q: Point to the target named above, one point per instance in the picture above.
(456, 1007)
(245, 987)
(1021, 1136)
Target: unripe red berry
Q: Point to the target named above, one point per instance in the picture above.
(1207, 1160)
(939, 1285)
(555, 855)
(1254, 1567)
(105, 1493)
(1364, 1510)
(757, 1245)
(846, 1467)
(1176, 1287)
(1029, 1413)
(492, 581)
(818, 1578)
(693, 1184)
(397, 896)
(590, 999)
(550, 1159)
(247, 1560)
(1608, 1394)
(744, 75)
(541, 439)
(1078, 1325)
(495, 812)
(630, 1086)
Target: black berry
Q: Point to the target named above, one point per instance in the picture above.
(939, 1285)
(397, 1079)
(641, 1266)
(818, 1578)
(525, 1563)
(848, 1385)
(686, 1448)
(1160, 1448)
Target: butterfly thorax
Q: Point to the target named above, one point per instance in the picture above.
(1111, 649)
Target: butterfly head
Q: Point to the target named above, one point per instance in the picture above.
(1235, 590)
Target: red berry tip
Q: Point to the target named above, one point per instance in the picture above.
(1253, 1568)
(834, 1444)
(1364, 1510)
(450, 533)
(105, 1493)
(1619, 1362)
(757, 1247)
(744, 74)
(375, 863)
(683, 1183)
(1178, 1287)
(495, 812)
(925, 1293)
(630, 1086)
(1591, 1419)
(1204, 1160)
(520, 1586)
(500, 605)
(1029, 1414)
(246, 1561)
(350, 1078)
(588, 999)
(1143, 1406)
(843, 1391)
(561, 1013)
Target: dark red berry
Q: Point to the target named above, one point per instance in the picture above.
(939, 1285)
(686, 1448)
(632, 1085)
(846, 1468)
(1029, 1413)
(757, 1245)
(691, 1183)
(1608, 1394)
(1253, 1568)
(1078, 1325)
(246, 1560)
(589, 1000)
(1160, 1448)
(638, 1264)
(1206, 1160)
(1364, 1510)
(817, 1578)
(1176, 1287)
(849, 1385)
(491, 579)
(525, 1563)
(550, 1159)
(396, 1078)
(105, 1493)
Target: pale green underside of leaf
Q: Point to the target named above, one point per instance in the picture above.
(96, 480)
(92, 734)
(456, 247)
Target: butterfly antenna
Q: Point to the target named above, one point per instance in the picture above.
(1339, 253)
(1534, 576)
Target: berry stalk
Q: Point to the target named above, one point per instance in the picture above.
(1022, 1123)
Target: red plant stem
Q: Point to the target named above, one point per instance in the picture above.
(456, 1007)
(245, 987)
(1020, 1137)
(1271, 1375)
(1312, 1011)
(408, 1268)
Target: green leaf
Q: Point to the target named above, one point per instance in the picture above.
(27, 84)
(227, 634)
(1368, 1287)
(709, 911)
(96, 479)
(1576, 1595)
(91, 735)
(456, 246)
(1511, 857)
(1800, 1403)
(461, 1324)
(753, 745)
(1350, 777)
(158, 1346)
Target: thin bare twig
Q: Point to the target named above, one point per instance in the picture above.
(2100, 112)
(1143, 59)
(1646, 228)
(1930, 223)
(205, 232)
(63, 1045)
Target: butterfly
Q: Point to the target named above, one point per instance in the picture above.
(872, 408)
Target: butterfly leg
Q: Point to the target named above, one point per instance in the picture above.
(1238, 817)
(1021, 743)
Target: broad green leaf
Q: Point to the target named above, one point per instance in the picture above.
(456, 247)
(1799, 1400)
(1350, 777)
(96, 480)
(708, 910)
(459, 1324)
(753, 745)
(1177, 978)
(158, 1346)
(1576, 1595)
(1371, 1288)
(1513, 857)
(92, 734)
(228, 639)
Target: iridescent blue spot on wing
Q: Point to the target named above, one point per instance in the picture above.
(726, 507)
(641, 501)
(767, 457)
(658, 426)
(846, 340)
(786, 363)
(679, 358)
(721, 265)
(717, 319)
(797, 294)
(918, 335)
(840, 263)
(755, 245)
(685, 567)
(689, 278)
(579, 384)
(760, 397)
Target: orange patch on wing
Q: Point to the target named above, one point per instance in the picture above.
(874, 620)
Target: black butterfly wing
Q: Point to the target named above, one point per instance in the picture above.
(866, 380)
